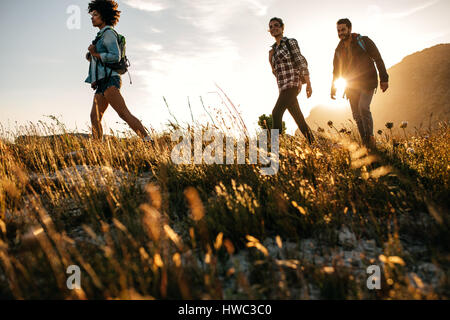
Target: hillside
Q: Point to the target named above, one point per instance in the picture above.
(321, 114)
(140, 226)
(419, 86)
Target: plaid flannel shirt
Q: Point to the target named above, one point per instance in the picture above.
(287, 68)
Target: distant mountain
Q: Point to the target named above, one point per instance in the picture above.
(418, 86)
(321, 114)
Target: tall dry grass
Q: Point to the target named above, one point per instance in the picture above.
(140, 226)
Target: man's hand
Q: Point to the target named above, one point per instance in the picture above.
(88, 56)
(384, 86)
(307, 80)
(308, 90)
(333, 93)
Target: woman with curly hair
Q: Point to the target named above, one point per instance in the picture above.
(105, 81)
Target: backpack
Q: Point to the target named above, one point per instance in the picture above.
(120, 67)
(288, 45)
(361, 43)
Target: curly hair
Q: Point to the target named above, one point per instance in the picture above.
(107, 10)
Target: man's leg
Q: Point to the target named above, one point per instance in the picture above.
(354, 97)
(366, 116)
(296, 113)
(279, 109)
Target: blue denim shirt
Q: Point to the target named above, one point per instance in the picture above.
(109, 51)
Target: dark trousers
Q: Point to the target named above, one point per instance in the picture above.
(288, 100)
(360, 100)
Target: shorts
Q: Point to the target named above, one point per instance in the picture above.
(103, 85)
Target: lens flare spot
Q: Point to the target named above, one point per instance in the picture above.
(340, 85)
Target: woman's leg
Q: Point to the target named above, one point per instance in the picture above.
(115, 99)
(99, 107)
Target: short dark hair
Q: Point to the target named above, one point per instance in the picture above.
(346, 22)
(107, 9)
(279, 20)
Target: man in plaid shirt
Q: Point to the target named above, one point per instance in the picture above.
(291, 70)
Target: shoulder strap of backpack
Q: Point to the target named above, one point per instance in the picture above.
(115, 32)
(288, 45)
(118, 36)
(101, 34)
(361, 43)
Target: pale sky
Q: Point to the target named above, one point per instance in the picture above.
(181, 48)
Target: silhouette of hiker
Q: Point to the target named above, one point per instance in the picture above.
(354, 61)
(103, 79)
(291, 71)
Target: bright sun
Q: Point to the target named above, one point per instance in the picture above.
(340, 84)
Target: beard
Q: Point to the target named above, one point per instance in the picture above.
(345, 36)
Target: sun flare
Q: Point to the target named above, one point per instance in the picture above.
(340, 85)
